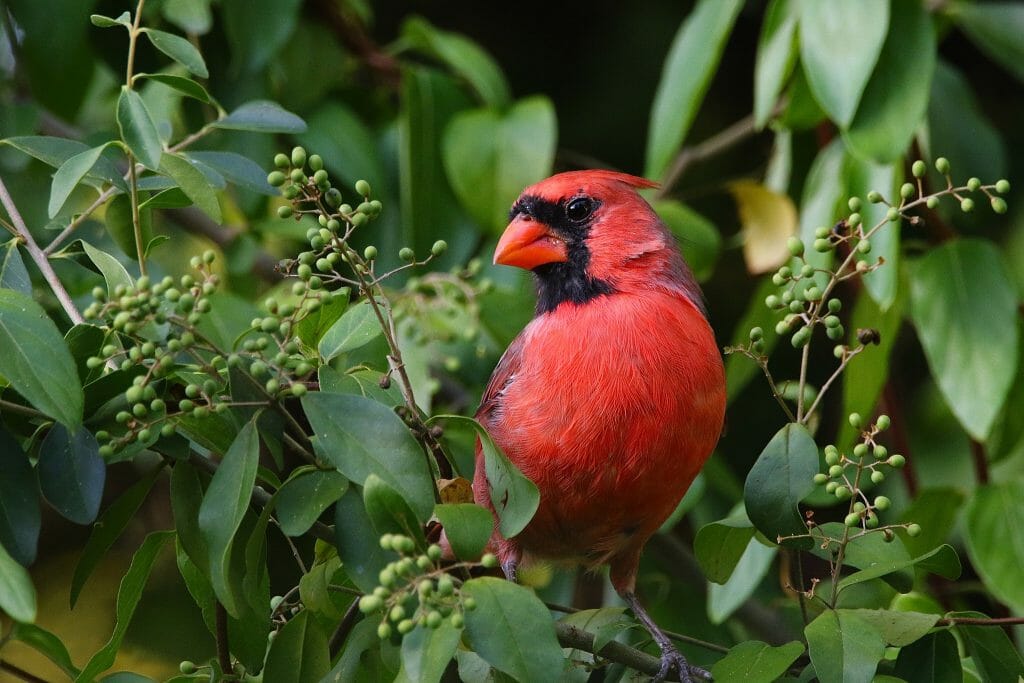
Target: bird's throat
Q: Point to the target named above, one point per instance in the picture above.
(559, 283)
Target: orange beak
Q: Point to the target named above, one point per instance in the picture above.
(528, 243)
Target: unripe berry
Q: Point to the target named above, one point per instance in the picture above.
(856, 421)
(439, 247)
(831, 487)
(822, 245)
(998, 204)
(835, 471)
(854, 203)
(458, 621)
(843, 493)
(187, 667)
(877, 477)
(397, 613)
(967, 205)
(882, 503)
(434, 552)
(942, 165)
(973, 184)
(914, 530)
(363, 188)
(919, 169)
(883, 422)
(795, 246)
(384, 631)
(298, 389)
(896, 461)
(831, 455)
(284, 212)
(907, 190)
(932, 202)
(852, 519)
(875, 197)
(801, 337)
(820, 478)
(406, 254)
(276, 178)
(838, 351)
(892, 215)
(1002, 186)
(489, 560)
(880, 452)
(333, 197)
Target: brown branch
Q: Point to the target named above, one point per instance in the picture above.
(348, 622)
(980, 459)
(353, 35)
(20, 673)
(716, 144)
(578, 639)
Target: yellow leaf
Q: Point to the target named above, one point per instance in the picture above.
(768, 219)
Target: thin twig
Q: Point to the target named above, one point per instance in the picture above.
(20, 409)
(716, 144)
(348, 622)
(20, 673)
(81, 218)
(39, 257)
(979, 621)
(223, 646)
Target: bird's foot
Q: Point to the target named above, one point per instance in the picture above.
(673, 660)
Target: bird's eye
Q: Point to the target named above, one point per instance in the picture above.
(579, 209)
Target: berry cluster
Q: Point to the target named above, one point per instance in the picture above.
(847, 474)
(414, 589)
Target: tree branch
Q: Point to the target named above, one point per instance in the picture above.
(19, 673)
(716, 144)
(223, 647)
(39, 257)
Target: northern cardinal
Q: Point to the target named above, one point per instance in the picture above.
(613, 396)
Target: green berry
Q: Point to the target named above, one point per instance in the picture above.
(320, 177)
(1002, 187)
(397, 613)
(384, 631)
(187, 667)
(298, 156)
(458, 621)
(838, 351)
(801, 337)
(821, 232)
(882, 503)
(919, 169)
(843, 493)
(831, 455)
(434, 552)
(315, 162)
(880, 452)
(469, 604)
(883, 422)
(973, 184)
(914, 530)
(897, 461)
(298, 389)
(998, 204)
(835, 471)
(942, 165)
(272, 386)
(489, 560)
(892, 215)
(830, 488)
(875, 197)
(820, 478)
(877, 477)
(860, 450)
(932, 202)
(363, 188)
(907, 190)
(813, 293)
(854, 203)
(445, 586)
(852, 519)
(284, 212)
(822, 245)
(276, 178)
(967, 205)
(406, 254)
(304, 272)
(795, 246)
(834, 305)
(439, 247)
(298, 176)
(856, 421)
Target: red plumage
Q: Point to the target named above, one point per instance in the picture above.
(613, 397)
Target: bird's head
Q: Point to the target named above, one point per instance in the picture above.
(586, 234)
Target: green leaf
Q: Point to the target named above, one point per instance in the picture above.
(69, 175)
(347, 145)
(108, 528)
(55, 151)
(515, 498)
(358, 542)
(17, 596)
(995, 539)
(822, 191)
(426, 653)
(113, 272)
(861, 177)
(389, 512)
(756, 662)
(776, 56)
(873, 370)
(689, 66)
(178, 49)
(996, 28)
(932, 659)
(958, 129)
(128, 594)
(138, 129)
(512, 629)
(193, 183)
(698, 237)
(995, 655)
(239, 170)
(230, 316)
(72, 473)
(964, 308)
(362, 437)
(19, 501)
(299, 652)
(191, 16)
(463, 56)
(362, 382)
(357, 327)
(468, 528)
(45, 643)
(304, 497)
(750, 571)
(48, 381)
(838, 68)
(257, 29)
(843, 647)
(261, 116)
(311, 328)
(489, 156)
(224, 505)
(13, 274)
(106, 22)
(185, 86)
(779, 480)
(896, 98)
(942, 561)
(897, 628)
(719, 546)
(936, 510)
(120, 226)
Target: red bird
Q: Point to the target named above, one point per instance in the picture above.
(613, 396)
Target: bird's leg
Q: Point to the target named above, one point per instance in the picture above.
(671, 658)
(509, 556)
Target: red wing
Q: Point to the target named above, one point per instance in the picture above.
(502, 376)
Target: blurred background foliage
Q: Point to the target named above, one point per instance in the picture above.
(449, 109)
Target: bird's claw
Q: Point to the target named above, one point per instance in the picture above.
(673, 660)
